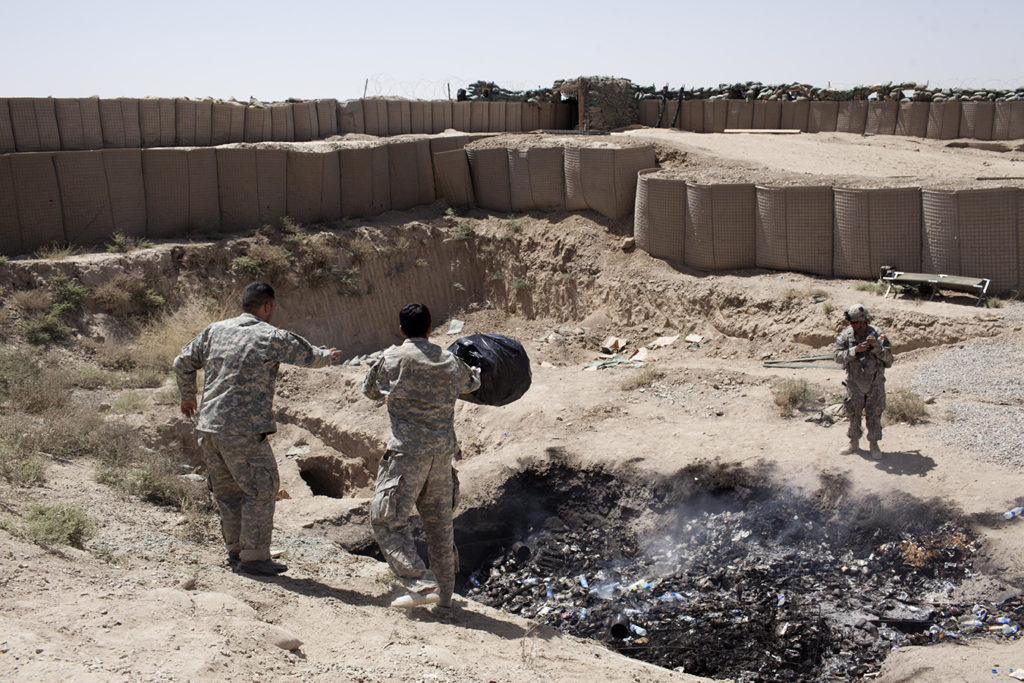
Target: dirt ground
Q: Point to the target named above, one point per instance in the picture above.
(171, 609)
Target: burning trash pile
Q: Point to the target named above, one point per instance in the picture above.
(755, 589)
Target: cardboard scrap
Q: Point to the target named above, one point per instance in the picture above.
(641, 354)
(664, 341)
(455, 326)
(693, 338)
(613, 344)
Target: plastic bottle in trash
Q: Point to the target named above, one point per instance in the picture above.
(1009, 629)
(1015, 512)
(970, 625)
(638, 630)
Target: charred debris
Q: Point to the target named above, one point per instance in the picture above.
(718, 573)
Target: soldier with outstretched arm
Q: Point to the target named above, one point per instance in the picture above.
(420, 382)
(240, 357)
(865, 352)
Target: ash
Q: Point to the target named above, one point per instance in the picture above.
(736, 583)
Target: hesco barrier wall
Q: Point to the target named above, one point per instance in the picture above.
(834, 231)
(62, 124)
(938, 120)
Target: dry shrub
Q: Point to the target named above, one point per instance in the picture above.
(161, 339)
(19, 467)
(126, 294)
(792, 395)
(155, 478)
(642, 378)
(264, 261)
(904, 405)
(58, 525)
(33, 300)
(30, 387)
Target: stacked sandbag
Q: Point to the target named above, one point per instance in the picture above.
(365, 183)
(659, 216)
(34, 124)
(852, 116)
(227, 123)
(536, 179)
(410, 173)
(974, 233)
(127, 190)
(85, 203)
(37, 196)
(876, 227)
(157, 126)
(78, 123)
(794, 229)
(313, 186)
(943, 120)
(720, 226)
(603, 179)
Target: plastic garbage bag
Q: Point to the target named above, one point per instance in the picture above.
(504, 367)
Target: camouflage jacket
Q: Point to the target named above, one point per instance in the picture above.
(240, 357)
(866, 367)
(420, 382)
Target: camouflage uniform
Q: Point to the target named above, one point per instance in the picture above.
(241, 357)
(420, 382)
(865, 380)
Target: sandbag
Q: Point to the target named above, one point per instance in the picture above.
(479, 116)
(504, 367)
(547, 115)
(127, 190)
(204, 122)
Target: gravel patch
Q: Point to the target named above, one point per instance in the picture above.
(985, 381)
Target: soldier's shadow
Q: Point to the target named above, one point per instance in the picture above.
(906, 463)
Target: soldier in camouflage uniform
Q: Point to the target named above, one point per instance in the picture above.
(419, 382)
(241, 357)
(865, 353)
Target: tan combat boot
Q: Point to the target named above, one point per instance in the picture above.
(876, 452)
(852, 448)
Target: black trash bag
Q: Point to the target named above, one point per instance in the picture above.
(504, 367)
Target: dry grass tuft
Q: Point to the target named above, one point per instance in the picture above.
(126, 294)
(50, 525)
(904, 405)
(161, 339)
(32, 300)
(643, 377)
(793, 395)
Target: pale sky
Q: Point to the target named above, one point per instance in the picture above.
(317, 49)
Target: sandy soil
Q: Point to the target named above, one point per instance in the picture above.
(170, 609)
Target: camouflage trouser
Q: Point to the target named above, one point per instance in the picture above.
(871, 402)
(406, 483)
(243, 477)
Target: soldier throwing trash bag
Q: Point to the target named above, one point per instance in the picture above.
(420, 382)
(865, 353)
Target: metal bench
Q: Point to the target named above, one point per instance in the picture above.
(928, 284)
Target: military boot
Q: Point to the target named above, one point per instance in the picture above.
(852, 448)
(876, 452)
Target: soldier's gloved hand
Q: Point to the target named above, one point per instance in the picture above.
(335, 356)
(188, 408)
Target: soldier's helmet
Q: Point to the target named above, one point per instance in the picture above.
(857, 312)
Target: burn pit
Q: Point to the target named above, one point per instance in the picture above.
(716, 572)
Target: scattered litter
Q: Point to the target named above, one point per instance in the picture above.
(545, 364)
(297, 450)
(613, 344)
(641, 354)
(1017, 673)
(1015, 512)
(613, 362)
(193, 477)
(455, 326)
(693, 338)
(664, 341)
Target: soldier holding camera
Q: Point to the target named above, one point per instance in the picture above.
(865, 352)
